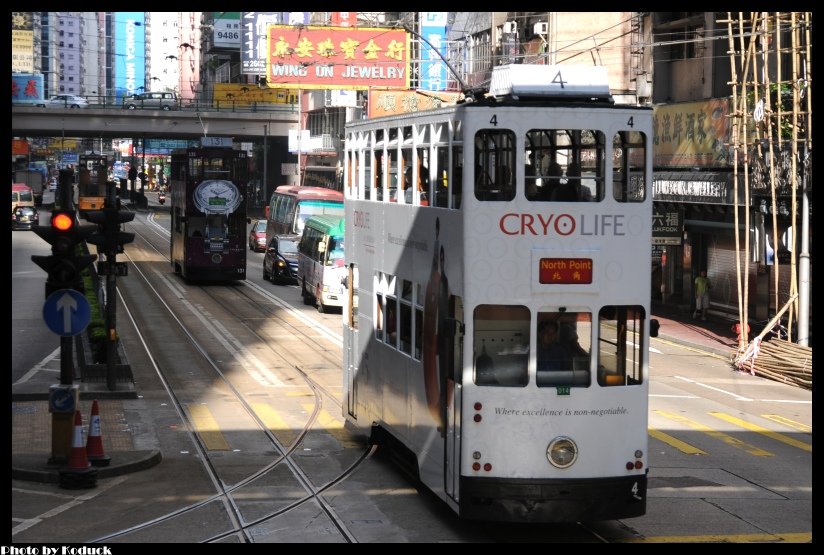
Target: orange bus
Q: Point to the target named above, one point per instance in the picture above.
(291, 205)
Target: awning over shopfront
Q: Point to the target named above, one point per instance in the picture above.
(696, 187)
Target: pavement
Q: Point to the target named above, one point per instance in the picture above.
(128, 436)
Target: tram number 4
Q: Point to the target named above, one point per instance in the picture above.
(635, 491)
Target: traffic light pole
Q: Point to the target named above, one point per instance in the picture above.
(111, 301)
(66, 311)
(110, 240)
(66, 360)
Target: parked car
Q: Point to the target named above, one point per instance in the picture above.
(257, 237)
(67, 101)
(52, 184)
(24, 217)
(280, 263)
(152, 101)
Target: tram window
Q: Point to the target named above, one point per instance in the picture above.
(494, 162)
(457, 176)
(620, 338)
(564, 165)
(392, 321)
(628, 155)
(419, 293)
(196, 225)
(501, 345)
(563, 348)
(379, 316)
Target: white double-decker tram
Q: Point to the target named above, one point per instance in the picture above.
(502, 255)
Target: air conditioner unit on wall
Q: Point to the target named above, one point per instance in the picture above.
(540, 28)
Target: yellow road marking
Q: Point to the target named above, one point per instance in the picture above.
(764, 431)
(207, 428)
(789, 423)
(334, 426)
(277, 425)
(800, 537)
(675, 442)
(726, 438)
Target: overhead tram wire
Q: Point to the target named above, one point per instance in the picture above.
(468, 93)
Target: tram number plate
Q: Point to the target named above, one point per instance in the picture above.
(563, 390)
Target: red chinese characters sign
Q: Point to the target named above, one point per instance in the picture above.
(565, 270)
(336, 58)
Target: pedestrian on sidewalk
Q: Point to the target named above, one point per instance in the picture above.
(702, 295)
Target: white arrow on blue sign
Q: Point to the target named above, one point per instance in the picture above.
(67, 312)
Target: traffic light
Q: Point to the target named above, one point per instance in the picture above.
(108, 237)
(65, 263)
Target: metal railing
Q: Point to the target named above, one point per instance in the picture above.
(189, 105)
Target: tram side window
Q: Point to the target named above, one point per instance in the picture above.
(196, 225)
(620, 338)
(419, 293)
(494, 165)
(563, 348)
(628, 155)
(501, 345)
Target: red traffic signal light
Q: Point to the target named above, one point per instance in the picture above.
(62, 221)
(64, 264)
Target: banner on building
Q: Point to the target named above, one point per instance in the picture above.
(239, 94)
(344, 19)
(387, 103)
(433, 69)
(692, 135)
(337, 58)
(254, 36)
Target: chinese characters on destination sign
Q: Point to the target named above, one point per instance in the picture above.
(565, 270)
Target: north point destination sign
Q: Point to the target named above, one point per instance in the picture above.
(316, 57)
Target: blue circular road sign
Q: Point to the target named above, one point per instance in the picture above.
(67, 312)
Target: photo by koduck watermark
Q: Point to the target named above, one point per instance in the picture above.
(55, 550)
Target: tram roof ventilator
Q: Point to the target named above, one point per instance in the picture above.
(542, 82)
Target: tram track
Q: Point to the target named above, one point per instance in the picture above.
(240, 306)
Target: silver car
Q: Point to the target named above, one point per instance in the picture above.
(152, 101)
(67, 101)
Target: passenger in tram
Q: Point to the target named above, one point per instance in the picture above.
(568, 191)
(551, 353)
(550, 183)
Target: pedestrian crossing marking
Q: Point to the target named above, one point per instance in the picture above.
(721, 436)
(764, 431)
(789, 423)
(207, 428)
(675, 442)
(285, 433)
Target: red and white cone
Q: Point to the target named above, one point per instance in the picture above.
(94, 443)
(79, 473)
(78, 459)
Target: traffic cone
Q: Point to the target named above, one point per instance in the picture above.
(78, 459)
(79, 473)
(94, 443)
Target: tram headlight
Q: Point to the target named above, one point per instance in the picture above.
(562, 452)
